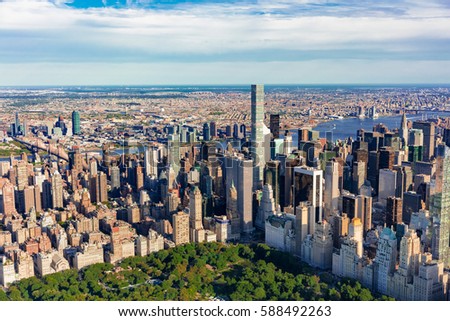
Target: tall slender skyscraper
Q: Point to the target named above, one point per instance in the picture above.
(440, 208)
(404, 131)
(257, 101)
(331, 192)
(57, 190)
(76, 128)
(206, 132)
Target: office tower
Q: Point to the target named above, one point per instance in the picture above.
(312, 151)
(46, 194)
(404, 179)
(361, 155)
(287, 143)
(412, 203)
(373, 168)
(331, 191)
(275, 125)
(308, 187)
(115, 177)
(232, 212)
(359, 176)
(364, 211)
(228, 131)
(139, 176)
(174, 152)
(102, 187)
(385, 260)
(236, 131)
(404, 135)
(387, 156)
(394, 207)
(257, 110)
(239, 171)
(195, 215)
(76, 159)
(213, 129)
(350, 205)
(151, 161)
(57, 191)
(180, 223)
(37, 198)
(76, 129)
(272, 177)
(267, 206)
(206, 132)
(416, 137)
(428, 130)
(415, 153)
(387, 185)
(374, 140)
(93, 171)
(440, 207)
(93, 189)
(7, 203)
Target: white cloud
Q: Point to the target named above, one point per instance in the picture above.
(39, 31)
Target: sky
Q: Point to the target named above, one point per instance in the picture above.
(163, 42)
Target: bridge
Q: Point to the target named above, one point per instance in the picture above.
(34, 142)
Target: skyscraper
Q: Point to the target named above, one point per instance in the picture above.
(195, 214)
(8, 199)
(180, 223)
(394, 208)
(151, 161)
(76, 128)
(275, 125)
(428, 130)
(440, 208)
(308, 187)
(213, 129)
(206, 132)
(115, 177)
(57, 191)
(331, 192)
(385, 259)
(257, 105)
(404, 131)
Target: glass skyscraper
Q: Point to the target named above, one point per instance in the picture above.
(76, 128)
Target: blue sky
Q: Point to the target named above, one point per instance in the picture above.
(124, 42)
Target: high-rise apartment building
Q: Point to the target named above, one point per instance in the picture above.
(257, 140)
(57, 191)
(180, 223)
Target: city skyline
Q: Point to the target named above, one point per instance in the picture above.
(176, 42)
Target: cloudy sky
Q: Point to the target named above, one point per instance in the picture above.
(125, 42)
